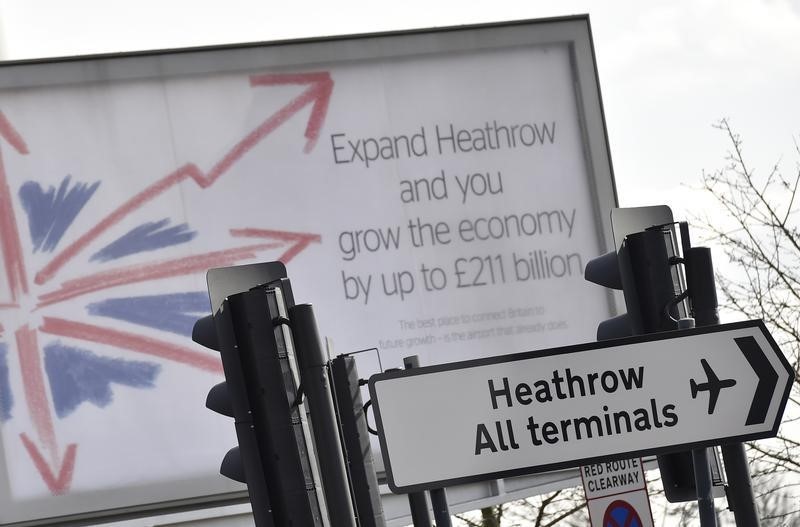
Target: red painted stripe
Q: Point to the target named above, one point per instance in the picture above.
(132, 342)
(58, 484)
(319, 92)
(287, 236)
(151, 271)
(301, 240)
(293, 251)
(30, 364)
(318, 112)
(266, 128)
(11, 135)
(10, 244)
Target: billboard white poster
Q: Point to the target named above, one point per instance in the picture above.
(434, 193)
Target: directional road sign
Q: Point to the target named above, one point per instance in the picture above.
(571, 406)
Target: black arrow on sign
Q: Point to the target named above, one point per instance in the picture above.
(767, 379)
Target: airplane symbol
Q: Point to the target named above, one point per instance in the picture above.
(713, 386)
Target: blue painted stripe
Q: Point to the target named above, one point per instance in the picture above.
(174, 312)
(51, 212)
(77, 376)
(148, 236)
(6, 397)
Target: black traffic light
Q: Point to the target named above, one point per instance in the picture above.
(230, 398)
(646, 270)
(653, 259)
(607, 271)
(260, 392)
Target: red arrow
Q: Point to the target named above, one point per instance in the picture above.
(318, 93)
(10, 244)
(131, 341)
(297, 242)
(152, 271)
(57, 470)
(59, 482)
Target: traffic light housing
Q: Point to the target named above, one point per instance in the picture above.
(652, 255)
(606, 270)
(261, 393)
(230, 398)
(645, 269)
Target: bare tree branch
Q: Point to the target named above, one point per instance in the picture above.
(759, 234)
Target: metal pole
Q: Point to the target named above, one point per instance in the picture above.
(702, 478)
(270, 384)
(355, 438)
(314, 380)
(419, 509)
(416, 500)
(740, 495)
(702, 472)
(702, 288)
(441, 511)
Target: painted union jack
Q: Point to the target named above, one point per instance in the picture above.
(59, 376)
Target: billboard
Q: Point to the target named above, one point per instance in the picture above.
(432, 192)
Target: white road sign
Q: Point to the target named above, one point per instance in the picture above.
(613, 478)
(616, 493)
(571, 406)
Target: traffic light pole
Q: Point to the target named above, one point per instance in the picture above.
(276, 417)
(740, 488)
(652, 267)
(702, 478)
(316, 386)
(355, 439)
(416, 500)
(702, 471)
(651, 284)
(700, 276)
(441, 510)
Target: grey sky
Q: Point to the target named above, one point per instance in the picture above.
(668, 69)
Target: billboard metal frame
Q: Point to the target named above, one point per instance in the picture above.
(574, 31)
